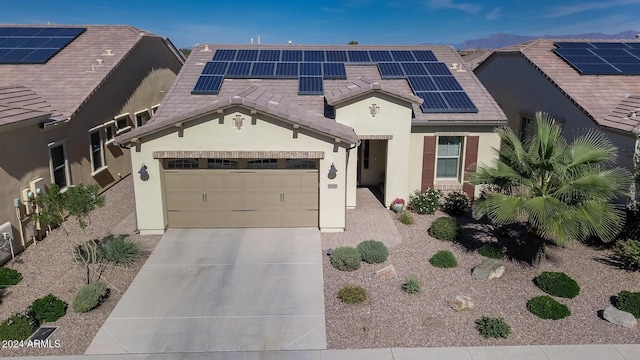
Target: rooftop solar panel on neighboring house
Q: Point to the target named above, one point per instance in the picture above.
(287, 70)
(247, 55)
(391, 70)
(336, 55)
(600, 58)
(310, 85)
(402, 55)
(413, 68)
(458, 101)
(433, 102)
(448, 83)
(314, 56)
(34, 45)
(437, 69)
(421, 83)
(359, 56)
(215, 68)
(334, 70)
(291, 55)
(269, 55)
(573, 45)
(225, 55)
(208, 85)
(310, 69)
(380, 55)
(263, 69)
(424, 55)
(238, 70)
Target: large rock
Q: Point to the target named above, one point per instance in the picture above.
(387, 272)
(462, 303)
(488, 269)
(619, 317)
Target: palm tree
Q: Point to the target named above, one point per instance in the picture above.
(562, 192)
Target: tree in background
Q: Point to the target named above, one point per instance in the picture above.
(352, 42)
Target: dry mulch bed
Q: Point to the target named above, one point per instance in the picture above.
(392, 318)
(49, 267)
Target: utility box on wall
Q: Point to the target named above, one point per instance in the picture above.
(6, 236)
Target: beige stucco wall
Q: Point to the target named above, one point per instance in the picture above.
(216, 132)
(393, 120)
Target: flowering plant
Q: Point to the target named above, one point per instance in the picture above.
(398, 201)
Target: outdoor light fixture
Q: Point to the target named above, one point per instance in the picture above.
(144, 175)
(332, 172)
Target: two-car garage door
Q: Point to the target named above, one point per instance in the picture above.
(206, 198)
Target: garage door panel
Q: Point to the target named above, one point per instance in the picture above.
(183, 181)
(179, 201)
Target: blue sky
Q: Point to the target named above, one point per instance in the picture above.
(334, 22)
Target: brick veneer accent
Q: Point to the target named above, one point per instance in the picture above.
(470, 163)
(428, 162)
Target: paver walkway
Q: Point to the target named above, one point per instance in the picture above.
(369, 220)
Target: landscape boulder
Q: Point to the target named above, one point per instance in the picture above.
(387, 272)
(462, 303)
(488, 269)
(619, 317)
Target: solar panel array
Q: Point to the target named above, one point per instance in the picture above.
(601, 58)
(34, 45)
(429, 79)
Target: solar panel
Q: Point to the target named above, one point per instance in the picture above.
(380, 55)
(437, 68)
(269, 55)
(391, 71)
(433, 102)
(334, 70)
(291, 55)
(584, 59)
(336, 55)
(15, 56)
(47, 32)
(573, 52)
(635, 52)
(28, 31)
(314, 55)
(609, 52)
(34, 42)
(39, 56)
(8, 31)
(629, 69)
(620, 59)
(311, 69)
(609, 45)
(459, 101)
(421, 83)
(573, 45)
(633, 45)
(424, 55)
(208, 85)
(263, 69)
(360, 56)
(287, 70)
(57, 42)
(402, 55)
(70, 32)
(412, 68)
(247, 55)
(238, 70)
(310, 85)
(447, 83)
(595, 69)
(215, 68)
(13, 42)
(225, 55)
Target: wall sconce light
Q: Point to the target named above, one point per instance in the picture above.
(144, 174)
(332, 172)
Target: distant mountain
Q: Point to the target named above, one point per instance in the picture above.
(497, 41)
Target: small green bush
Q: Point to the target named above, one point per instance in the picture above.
(48, 308)
(425, 203)
(352, 294)
(89, 297)
(546, 307)
(626, 253)
(493, 327)
(120, 249)
(405, 217)
(491, 250)
(557, 284)
(456, 203)
(444, 228)
(18, 327)
(373, 252)
(346, 258)
(443, 259)
(629, 302)
(411, 285)
(9, 277)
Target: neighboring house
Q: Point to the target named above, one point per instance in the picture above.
(65, 93)
(281, 136)
(586, 84)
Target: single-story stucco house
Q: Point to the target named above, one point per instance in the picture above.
(281, 136)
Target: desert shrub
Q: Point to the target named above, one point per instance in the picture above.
(443, 259)
(89, 297)
(120, 249)
(626, 253)
(373, 251)
(491, 250)
(9, 277)
(88, 252)
(48, 308)
(411, 285)
(557, 284)
(352, 294)
(405, 217)
(492, 327)
(18, 327)
(456, 203)
(546, 307)
(631, 229)
(425, 203)
(444, 228)
(346, 258)
(629, 302)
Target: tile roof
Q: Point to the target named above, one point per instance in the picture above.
(68, 79)
(19, 103)
(179, 99)
(363, 86)
(605, 98)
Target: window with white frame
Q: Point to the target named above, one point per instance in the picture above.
(97, 150)
(527, 127)
(142, 117)
(109, 131)
(59, 165)
(448, 161)
(154, 109)
(183, 164)
(123, 123)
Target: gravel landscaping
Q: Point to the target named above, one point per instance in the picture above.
(392, 318)
(49, 267)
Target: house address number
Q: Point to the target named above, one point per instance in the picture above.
(332, 186)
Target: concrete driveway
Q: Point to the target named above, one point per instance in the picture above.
(222, 290)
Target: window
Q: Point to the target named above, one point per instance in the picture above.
(59, 168)
(182, 164)
(109, 131)
(154, 109)
(365, 155)
(97, 151)
(301, 164)
(142, 117)
(527, 127)
(448, 162)
(222, 164)
(122, 123)
(263, 164)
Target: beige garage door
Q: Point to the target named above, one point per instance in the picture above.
(203, 198)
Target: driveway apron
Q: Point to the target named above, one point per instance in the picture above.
(207, 290)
